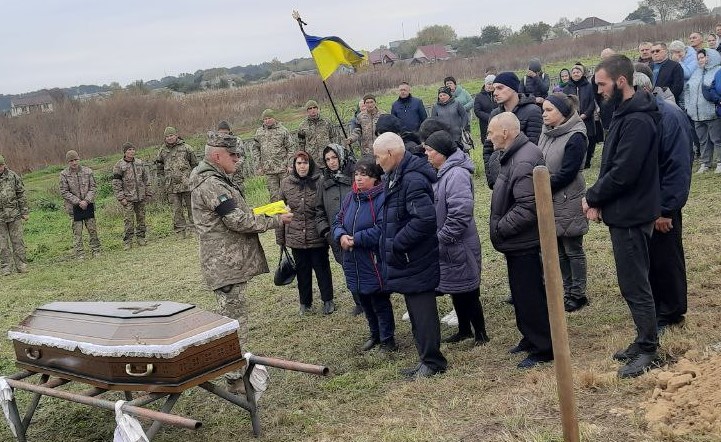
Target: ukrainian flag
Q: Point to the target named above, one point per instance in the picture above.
(331, 52)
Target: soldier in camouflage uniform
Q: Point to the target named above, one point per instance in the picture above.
(273, 147)
(77, 187)
(131, 188)
(13, 211)
(230, 250)
(365, 132)
(239, 175)
(175, 161)
(315, 133)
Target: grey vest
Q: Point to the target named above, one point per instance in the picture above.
(570, 220)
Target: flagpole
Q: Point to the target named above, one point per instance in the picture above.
(296, 16)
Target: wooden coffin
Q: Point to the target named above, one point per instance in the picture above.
(132, 346)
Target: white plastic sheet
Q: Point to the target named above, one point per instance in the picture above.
(128, 429)
(6, 395)
(259, 377)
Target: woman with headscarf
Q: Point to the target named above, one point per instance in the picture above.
(459, 247)
(450, 112)
(563, 143)
(582, 88)
(310, 249)
(357, 230)
(564, 76)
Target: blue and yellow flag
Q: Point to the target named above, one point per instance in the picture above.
(331, 52)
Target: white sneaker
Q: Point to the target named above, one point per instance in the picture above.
(406, 316)
(718, 167)
(450, 317)
(702, 169)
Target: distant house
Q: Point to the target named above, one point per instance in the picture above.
(431, 53)
(382, 56)
(93, 96)
(38, 102)
(589, 26)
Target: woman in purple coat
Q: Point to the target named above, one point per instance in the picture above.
(459, 245)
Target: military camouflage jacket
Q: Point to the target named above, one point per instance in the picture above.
(366, 131)
(230, 250)
(130, 181)
(13, 202)
(273, 148)
(314, 134)
(174, 165)
(76, 186)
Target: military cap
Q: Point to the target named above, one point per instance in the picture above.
(268, 113)
(227, 141)
(170, 130)
(71, 155)
(311, 103)
(127, 145)
(2, 160)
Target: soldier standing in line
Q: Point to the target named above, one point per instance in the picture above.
(230, 250)
(239, 176)
(315, 133)
(273, 148)
(13, 211)
(175, 161)
(365, 133)
(130, 186)
(77, 187)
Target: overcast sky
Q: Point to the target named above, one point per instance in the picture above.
(46, 44)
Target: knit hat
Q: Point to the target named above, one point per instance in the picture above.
(223, 125)
(534, 65)
(71, 155)
(490, 79)
(388, 123)
(2, 160)
(445, 90)
(509, 79)
(369, 97)
(441, 142)
(451, 79)
(268, 113)
(127, 145)
(310, 103)
(170, 130)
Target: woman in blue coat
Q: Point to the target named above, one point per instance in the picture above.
(357, 230)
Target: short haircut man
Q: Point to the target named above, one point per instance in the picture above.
(666, 73)
(627, 195)
(408, 109)
(644, 52)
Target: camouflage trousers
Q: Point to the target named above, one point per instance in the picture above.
(12, 247)
(134, 220)
(78, 236)
(181, 205)
(273, 183)
(231, 303)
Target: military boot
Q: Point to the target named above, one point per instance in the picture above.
(127, 245)
(142, 242)
(22, 268)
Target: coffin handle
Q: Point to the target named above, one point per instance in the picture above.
(33, 353)
(130, 372)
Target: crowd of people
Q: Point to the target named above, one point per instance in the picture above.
(400, 218)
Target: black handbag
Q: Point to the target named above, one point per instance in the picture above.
(285, 273)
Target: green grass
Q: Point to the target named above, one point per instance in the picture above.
(481, 397)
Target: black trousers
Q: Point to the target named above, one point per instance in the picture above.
(379, 314)
(306, 262)
(630, 251)
(667, 273)
(470, 313)
(525, 277)
(426, 328)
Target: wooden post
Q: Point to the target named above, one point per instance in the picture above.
(554, 298)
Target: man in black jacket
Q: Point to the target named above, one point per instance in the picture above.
(627, 195)
(666, 73)
(514, 232)
(530, 116)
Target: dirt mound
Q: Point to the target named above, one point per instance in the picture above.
(687, 398)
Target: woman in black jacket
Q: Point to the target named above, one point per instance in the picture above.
(582, 88)
(484, 104)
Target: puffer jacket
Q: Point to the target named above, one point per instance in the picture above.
(570, 220)
(459, 247)
(409, 244)
(77, 185)
(514, 222)
(130, 181)
(300, 195)
(698, 107)
(463, 97)
(361, 217)
(453, 114)
(229, 247)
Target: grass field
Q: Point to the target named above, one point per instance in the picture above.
(482, 397)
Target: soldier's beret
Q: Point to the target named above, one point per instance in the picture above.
(226, 141)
